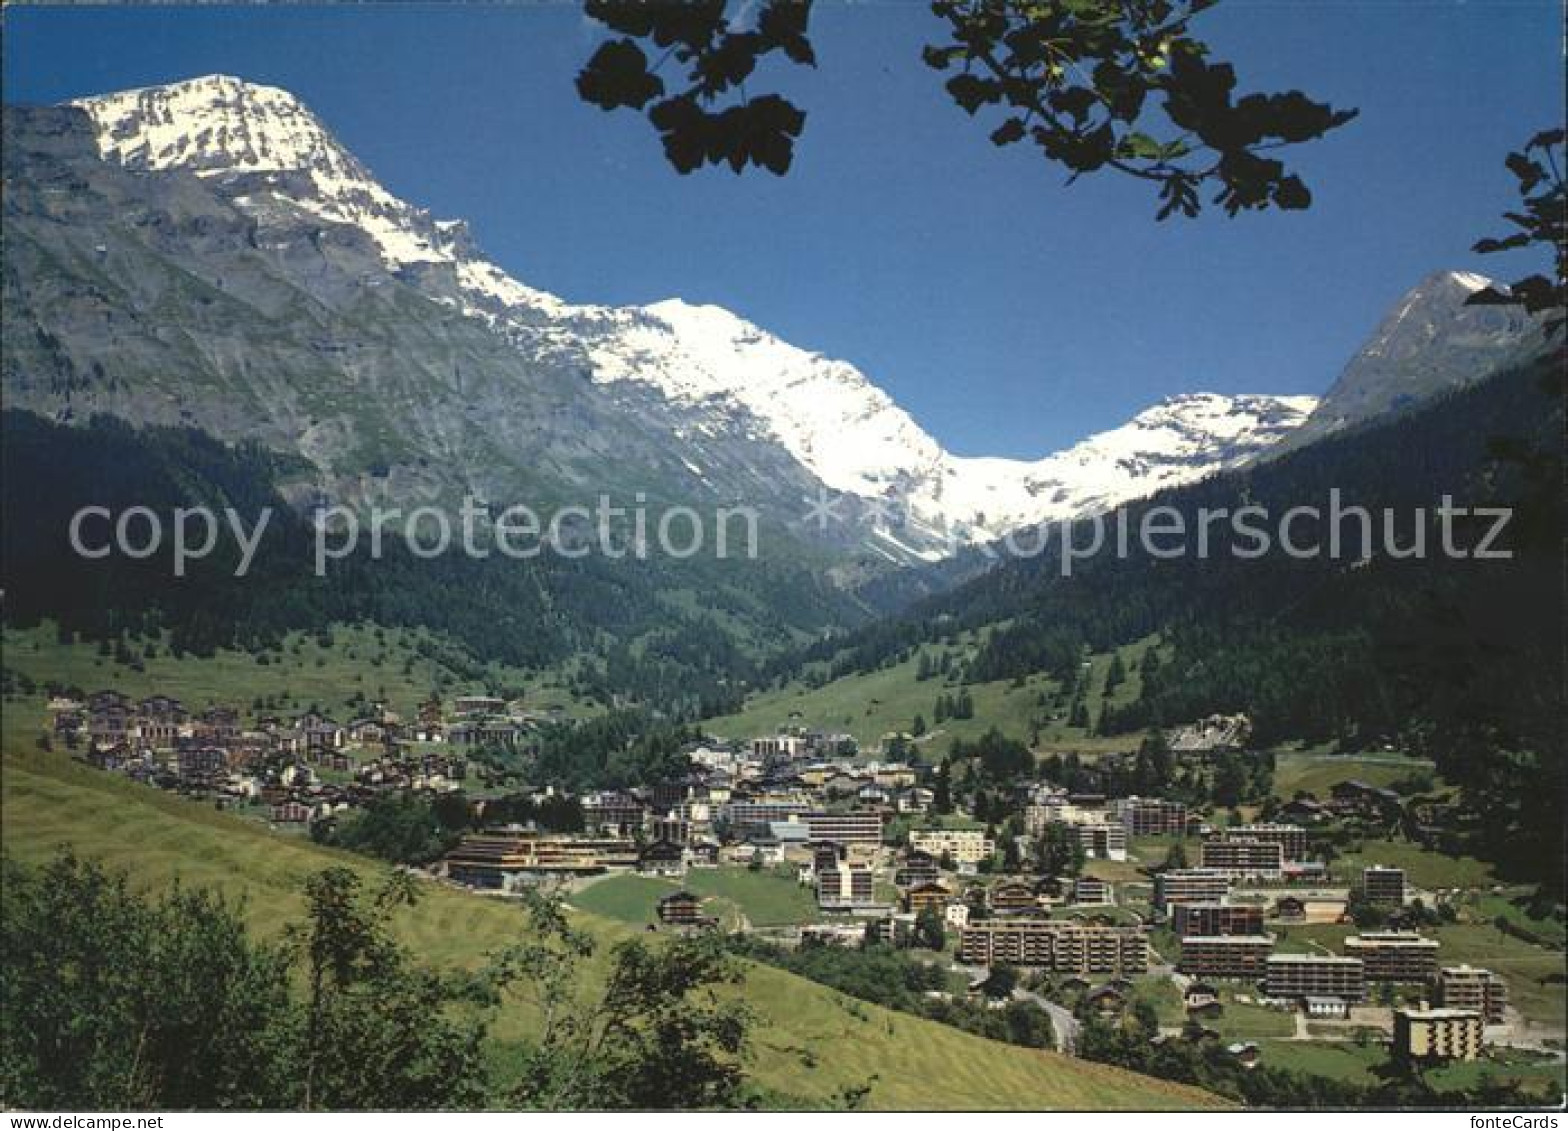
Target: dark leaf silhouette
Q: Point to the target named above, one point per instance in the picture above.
(1083, 72)
(1095, 84)
(717, 57)
(1539, 169)
(617, 75)
(1008, 132)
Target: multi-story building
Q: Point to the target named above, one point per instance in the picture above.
(1189, 885)
(845, 886)
(780, 746)
(1038, 817)
(109, 715)
(921, 896)
(1243, 857)
(1292, 839)
(159, 720)
(1012, 897)
(1470, 987)
(484, 732)
(1042, 793)
(319, 733)
(501, 860)
(1091, 890)
(963, 846)
(843, 828)
(220, 724)
(893, 775)
(1359, 798)
(465, 706)
(889, 930)
(1094, 949)
(749, 818)
(290, 812)
(1054, 807)
(1078, 948)
(1438, 1034)
(1383, 885)
(680, 909)
(662, 858)
(199, 762)
(673, 828)
(613, 813)
(1395, 956)
(1305, 904)
(1217, 919)
(1151, 816)
(1101, 842)
(1314, 975)
(1225, 956)
(917, 868)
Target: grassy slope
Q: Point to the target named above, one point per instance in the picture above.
(390, 668)
(766, 899)
(874, 704)
(811, 1041)
(1346, 1060)
(1316, 773)
(1423, 867)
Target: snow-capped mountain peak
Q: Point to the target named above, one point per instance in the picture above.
(855, 439)
(215, 125)
(1470, 281)
(846, 430)
(712, 372)
(1178, 440)
(268, 149)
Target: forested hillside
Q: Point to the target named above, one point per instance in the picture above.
(683, 634)
(1446, 656)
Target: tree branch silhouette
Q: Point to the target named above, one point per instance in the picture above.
(1539, 168)
(1094, 84)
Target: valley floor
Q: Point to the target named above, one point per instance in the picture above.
(814, 1041)
(811, 1044)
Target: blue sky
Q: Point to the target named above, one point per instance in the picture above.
(1010, 314)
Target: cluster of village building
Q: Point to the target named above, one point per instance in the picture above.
(796, 800)
(299, 769)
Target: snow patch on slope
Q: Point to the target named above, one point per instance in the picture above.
(841, 426)
(719, 370)
(223, 128)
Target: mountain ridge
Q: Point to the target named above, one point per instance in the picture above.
(1432, 341)
(701, 370)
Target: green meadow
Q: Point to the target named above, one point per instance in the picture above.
(810, 1042)
(337, 672)
(769, 898)
(887, 701)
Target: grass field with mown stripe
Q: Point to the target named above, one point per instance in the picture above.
(1316, 773)
(1340, 1060)
(1423, 867)
(624, 898)
(809, 1044)
(1359, 1064)
(769, 898)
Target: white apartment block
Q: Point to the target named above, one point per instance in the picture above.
(964, 846)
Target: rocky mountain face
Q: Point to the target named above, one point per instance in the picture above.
(1431, 342)
(206, 252)
(853, 438)
(223, 301)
